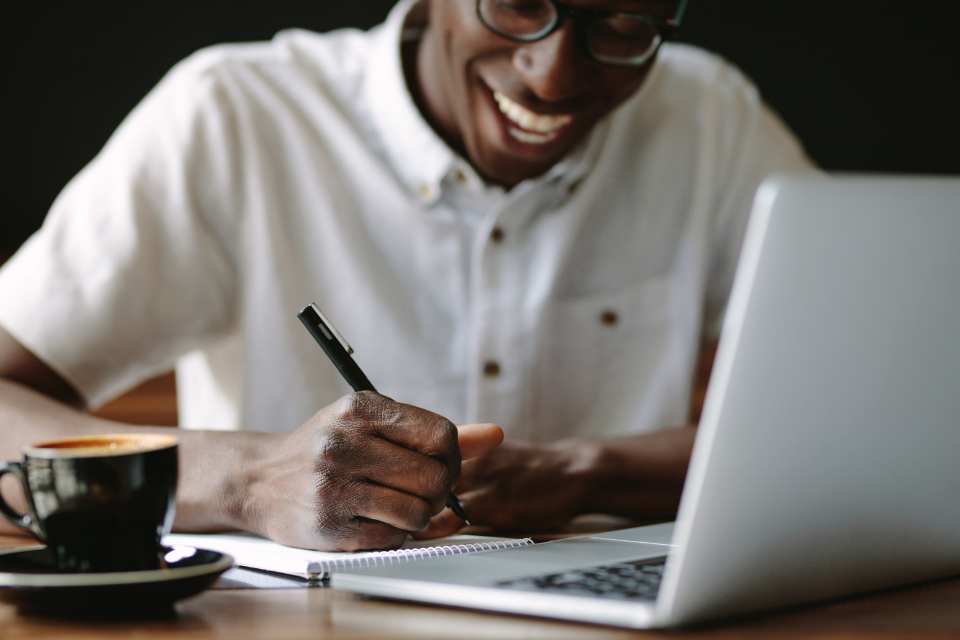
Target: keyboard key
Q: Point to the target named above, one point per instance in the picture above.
(637, 580)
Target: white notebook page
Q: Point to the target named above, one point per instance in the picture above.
(255, 552)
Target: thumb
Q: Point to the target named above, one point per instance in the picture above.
(478, 438)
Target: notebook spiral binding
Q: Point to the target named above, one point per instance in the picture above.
(409, 555)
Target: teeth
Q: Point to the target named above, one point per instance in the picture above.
(528, 137)
(533, 123)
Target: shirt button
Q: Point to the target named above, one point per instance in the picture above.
(497, 235)
(491, 369)
(609, 318)
(461, 177)
(426, 191)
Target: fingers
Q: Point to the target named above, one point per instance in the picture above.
(445, 523)
(383, 469)
(408, 426)
(384, 463)
(395, 508)
(391, 465)
(367, 535)
(475, 439)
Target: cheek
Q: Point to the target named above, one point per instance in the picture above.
(460, 94)
(475, 118)
(467, 44)
(462, 19)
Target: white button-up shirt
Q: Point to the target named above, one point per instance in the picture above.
(258, 178)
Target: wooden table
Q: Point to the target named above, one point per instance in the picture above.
(926, 611)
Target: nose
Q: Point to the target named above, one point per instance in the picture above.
(553, 68)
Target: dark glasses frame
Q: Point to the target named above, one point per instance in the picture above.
(584, 19)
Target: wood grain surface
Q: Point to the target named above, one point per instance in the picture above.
(152, 403)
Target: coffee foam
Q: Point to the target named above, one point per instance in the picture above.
(99, 446)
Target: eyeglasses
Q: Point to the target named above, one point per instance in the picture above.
(618, 39)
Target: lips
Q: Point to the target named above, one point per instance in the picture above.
(531, 127)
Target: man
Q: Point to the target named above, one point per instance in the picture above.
(514, 210)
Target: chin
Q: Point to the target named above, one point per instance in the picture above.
(504, 154)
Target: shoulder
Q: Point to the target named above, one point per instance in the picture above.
(696, 98)
(330, 56)
(689, 62)
(297, 66)
(687, 79)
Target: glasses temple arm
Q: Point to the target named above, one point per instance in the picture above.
(680, 11)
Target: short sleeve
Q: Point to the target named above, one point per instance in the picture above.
(135, 264)
(752, 142)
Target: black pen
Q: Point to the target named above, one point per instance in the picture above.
(338, 350)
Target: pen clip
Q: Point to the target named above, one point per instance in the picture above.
(330, 331)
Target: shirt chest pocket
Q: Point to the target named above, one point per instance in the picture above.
(601, 359)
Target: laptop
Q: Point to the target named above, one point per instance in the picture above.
(828, 457)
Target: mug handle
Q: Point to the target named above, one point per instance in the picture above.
(28, 521)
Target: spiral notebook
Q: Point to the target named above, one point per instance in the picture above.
(254, 552)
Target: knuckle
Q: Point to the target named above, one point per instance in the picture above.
(390, 412)
(418, 515)
(335, 520)
(327, 488)
(434, 477)
(367, 408)
(334, 447)
(354, 406)
(333, 525)
(443, 435)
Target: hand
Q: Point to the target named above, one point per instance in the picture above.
(517, 486)
(530, 487)
(361, 474)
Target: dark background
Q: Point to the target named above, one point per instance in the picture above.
(869, 85)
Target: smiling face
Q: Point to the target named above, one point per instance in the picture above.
(515, 109)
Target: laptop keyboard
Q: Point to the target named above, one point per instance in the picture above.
(638, 580)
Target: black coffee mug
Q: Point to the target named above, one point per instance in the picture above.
(100, 503)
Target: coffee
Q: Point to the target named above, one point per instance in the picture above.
(101, 503)
(96, 446)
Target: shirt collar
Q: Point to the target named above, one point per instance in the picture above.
(415, 152)
(418, 156)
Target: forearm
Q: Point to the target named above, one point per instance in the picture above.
(642, 476)
(636, 476)
(342, 481)
(211, 489)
